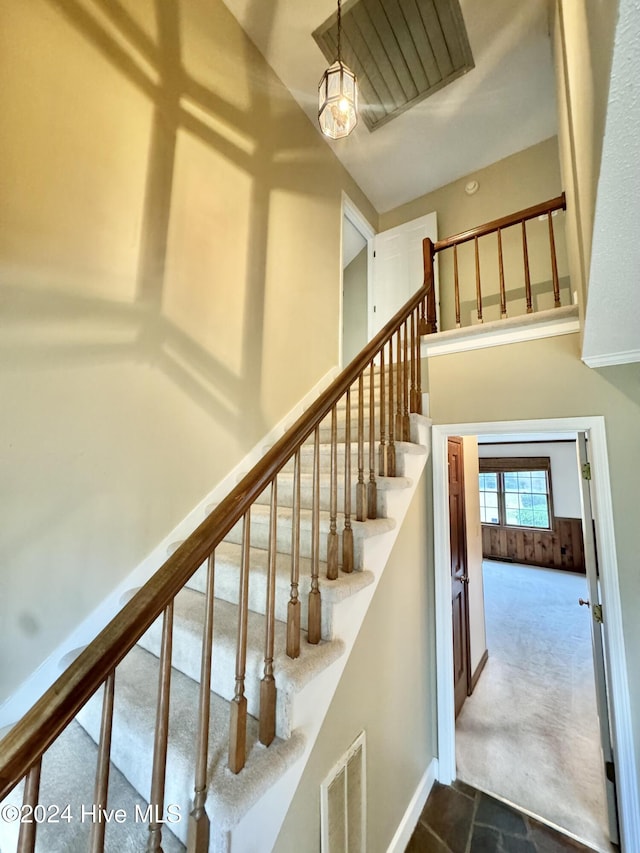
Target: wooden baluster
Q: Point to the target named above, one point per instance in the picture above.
(478, 286)
(527, 275)
(503, 295)
(554, 264)
(27, 836)
(382, 450)
(456, 284)
(267, 726)
(293, 608)
(431, 325)
(361, 489)
(347, 533)
(406, 424)
(418, 357)
(372, 492)
(199, 824)
(413, 393)
(332, 541)
(399, 385)
(238, 720)
(390, 469)
(98, 827)
(313, 633)
(161, 736)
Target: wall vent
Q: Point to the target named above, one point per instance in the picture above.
(343, 818)
(401, 50)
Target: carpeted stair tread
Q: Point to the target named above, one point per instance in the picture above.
(227, 573)
(291, 675)
(230, 796)
(68, 777)
(285, 489)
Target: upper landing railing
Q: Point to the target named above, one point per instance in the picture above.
(514, 271)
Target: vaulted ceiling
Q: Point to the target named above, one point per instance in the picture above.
(504, 104)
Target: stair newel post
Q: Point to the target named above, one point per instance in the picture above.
(161, 736)
(503, 294)
(27, 836)
(238, 720)
(361, 489)
(527, 274)
(293, 608)
(347, 533)
(382, 451)
(390, 469)
(406, 430)
(267, 726)
(332, 541)
(198, 831)
(98, 827)
(372, 492)
(478, 284)
(313, 633)
(554, 264)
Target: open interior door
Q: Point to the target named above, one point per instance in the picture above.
(398, 267)
(595, 605)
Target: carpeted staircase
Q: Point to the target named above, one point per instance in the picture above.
(305, 685)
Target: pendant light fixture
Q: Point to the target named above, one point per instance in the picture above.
(338, 96)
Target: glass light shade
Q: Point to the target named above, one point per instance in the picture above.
(338, 101)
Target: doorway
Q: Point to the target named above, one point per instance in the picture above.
(615, 654)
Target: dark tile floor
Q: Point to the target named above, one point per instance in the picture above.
(460, 819)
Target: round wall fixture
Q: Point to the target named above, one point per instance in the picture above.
(471, 187)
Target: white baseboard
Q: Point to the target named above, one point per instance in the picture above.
(16, 705)
(410, 819)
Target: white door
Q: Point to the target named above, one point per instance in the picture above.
(595, 606)
(398, 268)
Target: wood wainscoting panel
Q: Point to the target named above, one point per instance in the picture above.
(560, 548)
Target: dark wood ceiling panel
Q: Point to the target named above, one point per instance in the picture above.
(401, 50)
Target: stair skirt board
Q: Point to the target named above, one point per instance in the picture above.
(305, 686)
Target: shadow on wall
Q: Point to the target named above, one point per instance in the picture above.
(158, 183)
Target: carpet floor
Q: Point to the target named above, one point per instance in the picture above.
(529, 733)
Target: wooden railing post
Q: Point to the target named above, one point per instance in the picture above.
(418, 359)
(390, 465)
(478, 284)
(527, 274)
(383, 459)
(332, 541)
(372, 492)
(199, 825)
(98, 827)
(361, 488)
(161, 737)
(267, 727)
(315, 616)
(503, 294)
(293, 608)
(406, 428)
(347, 533)
(554, 264)
(27, 835)
(238, 720)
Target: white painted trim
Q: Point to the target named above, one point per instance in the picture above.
(501, 332)
(16, 705)
(410, 818)
(359, 221)
(622, 729)
(612, 358)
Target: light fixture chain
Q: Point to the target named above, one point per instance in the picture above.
(339, 29)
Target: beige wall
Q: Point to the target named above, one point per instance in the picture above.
(583, 36)
(546, 379)
(387, 689)
(517, 182)
(162, 201)
(477, 632)
(354, 307)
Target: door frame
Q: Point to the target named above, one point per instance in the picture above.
(359, 221)
(621, 721)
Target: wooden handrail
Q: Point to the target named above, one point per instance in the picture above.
(38, 729)
(558, 203)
